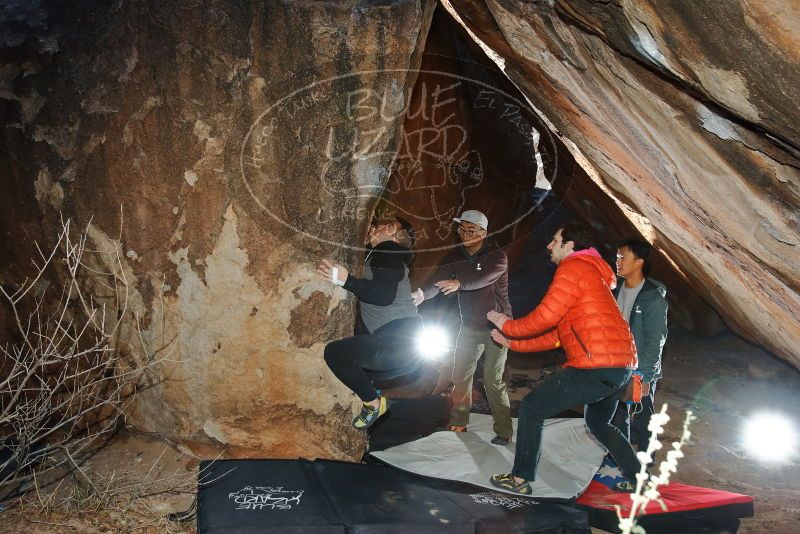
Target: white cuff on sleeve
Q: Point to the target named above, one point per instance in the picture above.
(335, 276)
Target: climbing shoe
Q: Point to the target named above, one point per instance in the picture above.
(369, 415)
(624, 486)
(506, 482)
(499, 440)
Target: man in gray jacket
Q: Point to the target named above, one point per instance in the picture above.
(478, 272)
(643, 304)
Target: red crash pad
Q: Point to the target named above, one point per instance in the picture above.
(677, 497)
(687, 507)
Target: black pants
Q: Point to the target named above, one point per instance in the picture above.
(632, 419)
(387, 353)
(598, 390)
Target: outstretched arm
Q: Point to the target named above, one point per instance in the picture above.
(546, 341)
(387, 271)
(429, 289)
(493, 265)
(560, 297)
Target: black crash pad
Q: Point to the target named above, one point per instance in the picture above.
(321, 497)
(408, 420)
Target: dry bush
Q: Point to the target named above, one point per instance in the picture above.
(117, 500)
(65, 382)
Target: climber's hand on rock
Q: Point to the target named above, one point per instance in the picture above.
(333, 272)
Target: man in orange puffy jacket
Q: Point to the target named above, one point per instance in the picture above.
(579, 314)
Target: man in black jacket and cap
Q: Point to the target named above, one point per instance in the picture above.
(478, 272)
(388, 312)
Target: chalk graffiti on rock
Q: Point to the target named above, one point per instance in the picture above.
(413, 150)
(430, 159)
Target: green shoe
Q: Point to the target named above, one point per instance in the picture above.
(506, 482)
(369, 415)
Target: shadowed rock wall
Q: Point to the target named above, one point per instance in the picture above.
(222, 147)
(228, 136)
(686, 114)
(469, 141)
(472, 141)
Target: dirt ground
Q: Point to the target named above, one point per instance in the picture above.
(137, 481)
(722, 379)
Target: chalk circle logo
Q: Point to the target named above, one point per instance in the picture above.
(322, 157)
(265, 498)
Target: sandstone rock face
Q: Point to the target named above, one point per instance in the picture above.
(220, 148)
(231, 139)
(470, 140)
(687, 115)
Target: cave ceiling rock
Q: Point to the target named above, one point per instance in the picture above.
(688, 112)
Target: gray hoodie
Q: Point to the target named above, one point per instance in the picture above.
(385, 290)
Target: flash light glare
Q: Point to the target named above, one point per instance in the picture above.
(770, 437)
(432, 342)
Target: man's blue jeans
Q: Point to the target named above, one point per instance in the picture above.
(598, 390)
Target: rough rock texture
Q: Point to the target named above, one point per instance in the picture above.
(221, 147)
(229, 137)
(470, 140)
(687, 115)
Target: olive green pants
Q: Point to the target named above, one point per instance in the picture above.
(469, 347)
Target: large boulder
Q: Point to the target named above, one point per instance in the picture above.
(220, 148)
(686, 116)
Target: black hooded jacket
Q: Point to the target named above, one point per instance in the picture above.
(385, 291)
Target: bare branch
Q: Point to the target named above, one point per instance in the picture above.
(66, 384)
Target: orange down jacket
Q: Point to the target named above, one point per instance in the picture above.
(579, 313)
